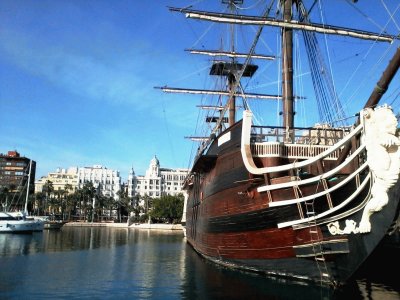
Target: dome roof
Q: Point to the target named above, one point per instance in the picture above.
(132, 171)
(155, 161)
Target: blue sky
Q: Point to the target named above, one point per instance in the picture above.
(79, 76)
(77, 82)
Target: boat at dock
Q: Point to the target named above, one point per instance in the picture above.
(305, 203)
(20, 221)
(19, 224)
(54, 224)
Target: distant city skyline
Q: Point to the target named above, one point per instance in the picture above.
(124, 177)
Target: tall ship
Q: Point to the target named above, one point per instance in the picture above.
(284, 197)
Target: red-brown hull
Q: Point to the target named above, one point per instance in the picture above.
(229, 222)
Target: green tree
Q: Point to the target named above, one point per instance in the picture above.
(40, 199)
(108, 206)
(68, 188)
(71, 201)
(66, 200)
(169, 208)
(123, 204)
(48, 190)
(136, 208)
(88, 193)
(146, 208)
(59, 203)
(148, 203)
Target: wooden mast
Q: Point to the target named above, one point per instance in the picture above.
(231, 77)
(383, 84)
(287, 72)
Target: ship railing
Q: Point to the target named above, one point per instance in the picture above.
(321, 134)
(247, 155)
(268, 141)
(297, 151)
(323, 176)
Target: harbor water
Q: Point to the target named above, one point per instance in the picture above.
(121, 263)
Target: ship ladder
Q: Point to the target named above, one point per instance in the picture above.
(316, 241)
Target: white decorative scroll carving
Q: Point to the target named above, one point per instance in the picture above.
(351, 227)
(383, 158)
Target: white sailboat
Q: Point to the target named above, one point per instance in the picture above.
(20, 222)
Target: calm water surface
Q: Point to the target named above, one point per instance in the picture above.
(113, 263)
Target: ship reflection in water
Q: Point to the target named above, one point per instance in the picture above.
(107, 263)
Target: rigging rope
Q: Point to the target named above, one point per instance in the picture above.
(16, 197)
(364, 15)
(392, 14)
(239, 75)
(321, 77)
(249, 7)
(378, 63)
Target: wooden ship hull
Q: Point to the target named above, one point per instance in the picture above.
(305, 231)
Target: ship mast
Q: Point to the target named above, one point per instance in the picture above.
(27, 189)
(231, 77)
(233, 71)
(383, 84)
(287, 71)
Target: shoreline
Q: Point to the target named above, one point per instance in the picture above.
(125, 225)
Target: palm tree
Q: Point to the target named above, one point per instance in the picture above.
(123, 204)
(136, 208)
(148, 204)
(88, 193)
(68, 187)
(70, 204)
(61, 196)
(79, 200)
(106, 206)
(48, 189)
(40, 199)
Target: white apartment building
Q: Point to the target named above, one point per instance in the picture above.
(59, 179)
(107, 181)
(157, 181)
(172, 180)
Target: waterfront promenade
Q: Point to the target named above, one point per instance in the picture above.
(126, 225)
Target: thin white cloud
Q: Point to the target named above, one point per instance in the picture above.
(78, 74)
